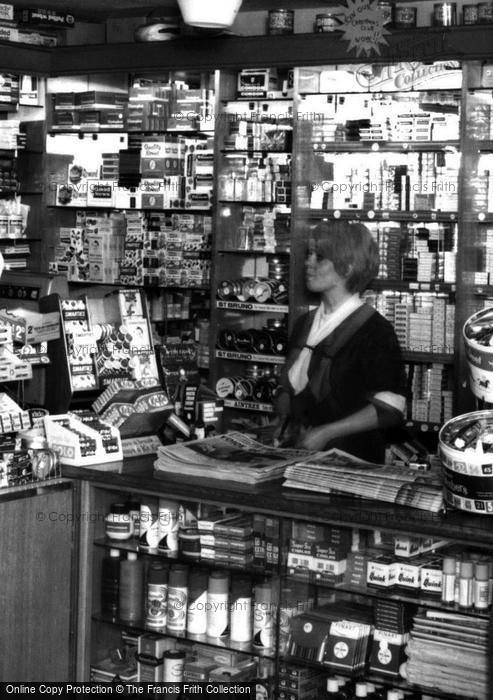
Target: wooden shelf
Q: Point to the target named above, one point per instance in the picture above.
(247, 306)
(379, 215)
(390, 146)
(412, 286)
(234, 52)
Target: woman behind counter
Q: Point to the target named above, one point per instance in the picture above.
(344, 381)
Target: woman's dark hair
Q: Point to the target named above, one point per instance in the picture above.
(352, 250)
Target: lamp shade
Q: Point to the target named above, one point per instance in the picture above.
(211, 14)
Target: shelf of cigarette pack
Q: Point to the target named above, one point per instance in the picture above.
(222, 642)
(482, 217)
(423, 426)
(170, 210)
(379, 215)
(247, 306)
(374, 677)
(18, 239)
(430, 602)
(200, 288)
(391, 146)
(412, 286)
(122, 129)
(483, 290)
(249, 405)
(257, 203)
(444, 358)
(132, 546)
(250, 357)
(256, 98)
(253, 251)
(254, 151)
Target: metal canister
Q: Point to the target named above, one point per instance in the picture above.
(485, 12)
(327, 22)
(470, 14)
(404, 17)
(280, 22)
(386, 8)
(444, 14)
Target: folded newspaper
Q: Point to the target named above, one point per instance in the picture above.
(231, 457)
(338, 472)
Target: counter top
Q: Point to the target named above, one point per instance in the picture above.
(136, 475)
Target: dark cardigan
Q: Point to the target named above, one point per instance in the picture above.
(369, 362)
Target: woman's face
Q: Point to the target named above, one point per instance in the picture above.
(320, 274)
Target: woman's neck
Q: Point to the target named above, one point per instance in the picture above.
(335, 297)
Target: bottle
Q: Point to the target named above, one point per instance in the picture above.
(448, 580)
(333, 692)
(168, 528)
(110, 584)
(118, 523)
(218, 604)
(490, 588)
(393, 695)
(134, 511)
(197, 602)
(481, 586)
(263, 616)
(179, 397)
(148, 527)
(157, 595)
(177, 598)
(241, 610)
(466, 572)
(131, 596)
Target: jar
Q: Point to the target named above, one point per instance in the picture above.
(44, 459)
(470, 14)
(386, 8)
(485, 12)
(280, 22)
(15, 225)
(4, 226)
(444, 14)
(404, 17)
(119, 523)
(327, 22)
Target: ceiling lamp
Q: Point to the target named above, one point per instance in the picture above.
(214, 14)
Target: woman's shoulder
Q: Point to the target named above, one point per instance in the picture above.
(378, 326)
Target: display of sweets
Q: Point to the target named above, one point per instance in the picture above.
(481, 330)
(470, 431)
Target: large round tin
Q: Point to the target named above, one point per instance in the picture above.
(477, 334)
(468, 469)
(280, 22)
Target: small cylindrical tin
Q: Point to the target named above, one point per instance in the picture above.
(327, 22)
(485, 12)
(280, 22)
(470, 14)
(386, 8)
(404, 17)
(444, 14)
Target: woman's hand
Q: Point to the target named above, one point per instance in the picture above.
(315, 438)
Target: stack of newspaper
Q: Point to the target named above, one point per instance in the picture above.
(338, 472)
(232, 457)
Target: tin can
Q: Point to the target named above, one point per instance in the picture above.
(280, 22)
(404, 17)
(470, 14)
(386, 8)
(485, 12)
(444, 14)
(327, 22)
